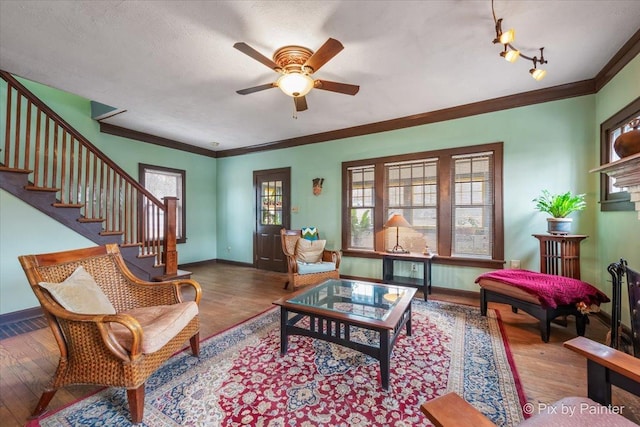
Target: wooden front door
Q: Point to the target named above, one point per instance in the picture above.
(273, 192)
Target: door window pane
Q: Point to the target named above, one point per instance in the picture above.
(271, 203)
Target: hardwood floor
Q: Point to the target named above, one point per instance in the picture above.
(231, 294)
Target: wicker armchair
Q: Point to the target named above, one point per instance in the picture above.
(151, 323)
(298, 278)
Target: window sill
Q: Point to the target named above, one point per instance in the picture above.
(458, 261)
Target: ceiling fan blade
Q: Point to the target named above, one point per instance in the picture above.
(345, 88)
(301, 103)
(248, 50)
(327, 51)
(255, 89)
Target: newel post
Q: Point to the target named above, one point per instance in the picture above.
(169, 252)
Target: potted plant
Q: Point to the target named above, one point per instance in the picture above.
(559, 206)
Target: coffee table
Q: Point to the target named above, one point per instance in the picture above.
(333, 308)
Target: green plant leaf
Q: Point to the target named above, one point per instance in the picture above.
(559, 205)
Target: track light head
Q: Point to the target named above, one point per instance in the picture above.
(511, 53)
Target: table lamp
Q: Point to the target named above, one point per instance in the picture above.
(397, 221)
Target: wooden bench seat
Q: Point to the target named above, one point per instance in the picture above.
(494, 291)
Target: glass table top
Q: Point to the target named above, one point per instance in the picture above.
(370, 300)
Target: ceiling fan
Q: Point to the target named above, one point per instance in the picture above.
(297, 64)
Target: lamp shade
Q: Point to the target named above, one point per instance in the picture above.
(397, 220)
(508, 36)
(511, 55)
(537, 73)
(295, 84)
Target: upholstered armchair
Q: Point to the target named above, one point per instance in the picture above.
(308, 263)
(112, 329)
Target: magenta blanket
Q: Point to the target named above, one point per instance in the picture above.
(551, 290)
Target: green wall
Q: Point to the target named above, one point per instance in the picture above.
(545, 146)
(618, 232)
(24, 230)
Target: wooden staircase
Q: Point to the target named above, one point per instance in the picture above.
(52, 167)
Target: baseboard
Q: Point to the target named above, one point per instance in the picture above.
(198, 263)
(20, 316)
(236, 263)
(22, 321)
(216, 261)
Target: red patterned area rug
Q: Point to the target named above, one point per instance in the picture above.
(241, 379)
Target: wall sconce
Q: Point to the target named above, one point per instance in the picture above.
(397, 220)
(511, 54)
(317, 186)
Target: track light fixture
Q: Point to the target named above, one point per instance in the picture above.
(511, 54)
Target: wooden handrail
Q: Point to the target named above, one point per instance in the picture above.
(69, 129)
(61, 159)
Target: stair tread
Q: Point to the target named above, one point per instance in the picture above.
(180, 274)
(17, 170)
(68, 205)
(111, 233)
(91, 219)
(146, 255)
(36, 188)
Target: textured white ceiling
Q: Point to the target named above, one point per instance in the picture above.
(172, 65)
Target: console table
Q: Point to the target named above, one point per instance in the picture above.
(423, 281)
(560, 254)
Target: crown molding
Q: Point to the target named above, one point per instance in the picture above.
(153, 139)
(570, 90)
(626, 53)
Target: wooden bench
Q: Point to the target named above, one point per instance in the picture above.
(493, 291)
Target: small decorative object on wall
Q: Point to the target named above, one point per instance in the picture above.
(628, 143)
(317, 186)
(559, 206)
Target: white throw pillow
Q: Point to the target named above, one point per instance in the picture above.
(310, 251)
(80, 294)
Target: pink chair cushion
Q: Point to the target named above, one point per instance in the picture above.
(159, 324)
(575, 411)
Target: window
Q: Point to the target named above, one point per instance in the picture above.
(614, 198)
(166, 182)
(452, 199)
(412, 189)
(271, 203)
(361, 205)
(472, 210)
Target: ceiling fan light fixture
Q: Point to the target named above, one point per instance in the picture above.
(295, 84)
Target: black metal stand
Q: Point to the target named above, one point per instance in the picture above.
(616, 270)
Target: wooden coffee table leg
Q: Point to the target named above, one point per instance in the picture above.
(385, 355)
(284, 339)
